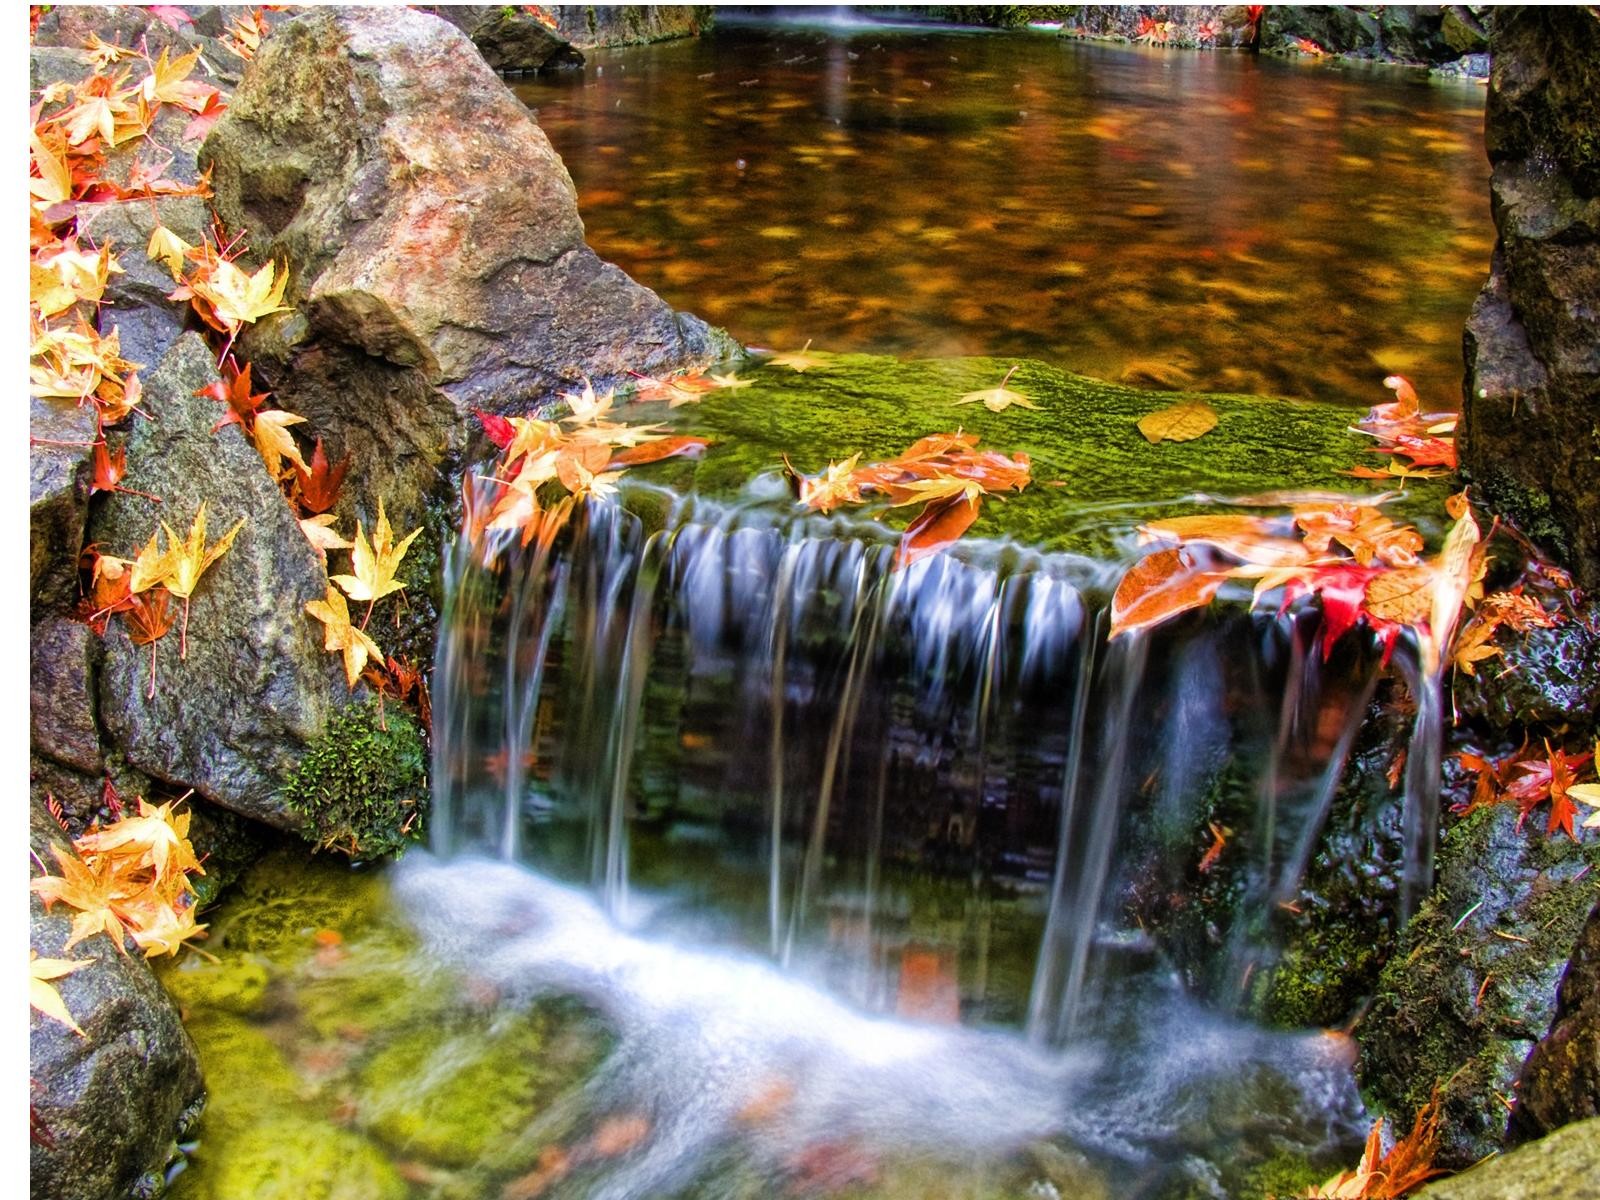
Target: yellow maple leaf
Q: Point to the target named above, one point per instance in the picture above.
(149, 568)
(169, 82)
(340, 634)
(801, 359)
(167, 247)
(322, 535)
(53, 182)
(375, 562)
(190, 560)
(587, 408)
(998, 399)
(275, 443)
(236, 298)
(59, 280)
(731, 380)
(92, 892)
(837, 486)
(43, 996)
(157, 838)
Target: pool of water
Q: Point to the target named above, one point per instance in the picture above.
(1206, 221)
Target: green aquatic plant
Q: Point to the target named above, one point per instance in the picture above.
(361, 789)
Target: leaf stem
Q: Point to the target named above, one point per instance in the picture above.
(368, 617)
(183, 632)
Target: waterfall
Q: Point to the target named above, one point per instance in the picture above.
(869, 774)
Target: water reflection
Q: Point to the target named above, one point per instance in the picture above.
(1168, 218)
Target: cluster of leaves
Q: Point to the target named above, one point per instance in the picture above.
(375, 564)
(1419, 445)
(140, 588)
(1379, 1176)
(128, 879)
(1361, 565)
(1153, 32)
(1529, 780)
(544, 469)
(945, 473)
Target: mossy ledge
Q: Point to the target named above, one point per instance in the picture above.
(363, 786)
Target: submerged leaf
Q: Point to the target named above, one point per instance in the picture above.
(1160, 586)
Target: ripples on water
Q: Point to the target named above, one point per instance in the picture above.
(1209, 221)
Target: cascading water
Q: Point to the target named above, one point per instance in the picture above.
(937, 794)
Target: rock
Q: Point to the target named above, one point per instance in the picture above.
(61, 694)
(77, 795)
(589, 25)
(1530, 437)
(1462, 31)
(1560, 1082)
(509, 38)
(434, 246)
(1542, 677)
(256, 690)
(1337, 29)
(113, 1104)
(58, 499)
(135, 302)
(1472, 983)
(1565, 1164)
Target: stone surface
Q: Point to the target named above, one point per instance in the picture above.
(61, 694)
(232, 719)
(435, 251)
(589, 25)
(135, 302)
(1530, 436)
(509, 38)
(1565, 1165)
(58, 499)
(112, 1104)
(1560, 1082)
(1543, 676)
(1472, 982)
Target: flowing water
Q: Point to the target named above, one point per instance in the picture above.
(759, 868)
(1204, 221)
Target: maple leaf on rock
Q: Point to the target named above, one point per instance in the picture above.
(801, 359)
(339, 634)
(276, 444)
(190, 559)
(92, 892)
(43, 996)
(375, 563)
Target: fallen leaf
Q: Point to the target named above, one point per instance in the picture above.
(801, 359)
(1158, 587)
(939, 525)
(1179, 423)
(339, 634)
(1000, 398)
(375, 562)
(43, 996)
(190, 559)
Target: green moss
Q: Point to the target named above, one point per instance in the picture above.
(293, 1158)
(362, 787)
(1283, 1175)
(459, 1094)
(234, 985)
(1320, 976)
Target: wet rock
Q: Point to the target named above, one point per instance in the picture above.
(135, 301)
(61, 696)
(590, 25)
(1462, 30)
(58, 499)
(1542, 677)
(1560, 1082)
(112, 1104)
(434, 246)
(256, 689)
(509, 38)
(1566, 1163)
(78, 796)
(1531, 417)
(1335, 27)
(1472, 983)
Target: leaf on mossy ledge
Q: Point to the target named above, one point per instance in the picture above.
(1000, 397)
(1160, 586)
(1179, 423)
(801, 359)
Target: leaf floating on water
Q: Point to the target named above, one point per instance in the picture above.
(1160, 586)
(1180, 423)
(800, 360)
(998, 399)
(939, 525)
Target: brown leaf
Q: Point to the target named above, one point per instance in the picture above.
(1158, 587)
(939, 525)
(1180, 423)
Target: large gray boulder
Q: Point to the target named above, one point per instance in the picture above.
(1560, 1082)
(109, 1107)
(510, 38)
(1530, 434)
(1563, 1166)
(233, 719)
(59, 471)
(432, 237)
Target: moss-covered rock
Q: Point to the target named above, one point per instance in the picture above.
(1472, 984)
(289, 1158)
(363, 787)
(1093, 474)
(1565, 1164)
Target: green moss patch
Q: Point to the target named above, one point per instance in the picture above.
(362, 788)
